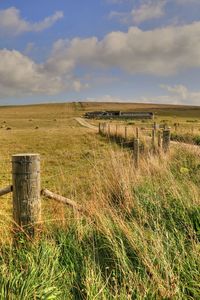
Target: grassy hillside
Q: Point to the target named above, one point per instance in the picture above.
(140, 236)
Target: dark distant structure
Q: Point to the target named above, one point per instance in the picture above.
(118, 115)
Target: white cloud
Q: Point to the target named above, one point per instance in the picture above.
(162, 51)
(105, 98)
(181, 94)
(11, 22)
(20, 76)
(178, 94)
(151, 10)
(147, 10)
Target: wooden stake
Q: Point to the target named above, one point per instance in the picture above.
(155, 126)
(125, 132)
(159, 139)
(166, 140)
(136, 151)
(153, 139)
(137, 133)
(26, 192)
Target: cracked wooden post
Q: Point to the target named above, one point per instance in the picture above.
(136, 152)
(166, 140)
(26, 193)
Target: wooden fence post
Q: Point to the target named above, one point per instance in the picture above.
(155, 126)
(136, 151)
(166, 140)
(137, 133)
(104, 126)
(26, 193)
(99, 128)
(159, 139)
(153, 139)
(125, 134)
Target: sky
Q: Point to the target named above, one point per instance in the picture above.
(100, 50)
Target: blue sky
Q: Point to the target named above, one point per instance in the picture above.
(100, 50)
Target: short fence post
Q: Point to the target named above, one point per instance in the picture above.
(166, 140)
(26, 193)
(159, 139)
(155, 126)
(125, 136)
(153, 139)
(99, 128)
(136, 151)
(137, 133)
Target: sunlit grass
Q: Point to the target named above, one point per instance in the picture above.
(139, 238)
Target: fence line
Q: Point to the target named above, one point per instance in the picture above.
(162, 136)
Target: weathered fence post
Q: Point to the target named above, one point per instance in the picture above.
(166, 140)
(137, 133)
(125, 133)
(153, 139)
(136, 151)
(155, 126)
(26, 193)
(99, 128)
(104, 127)
(159, 139)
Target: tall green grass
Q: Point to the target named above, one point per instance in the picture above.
(139, 240)
(186, 138)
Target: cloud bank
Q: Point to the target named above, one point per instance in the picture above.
(162, 51)
(158, 52)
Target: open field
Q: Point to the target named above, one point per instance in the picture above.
(140, 237)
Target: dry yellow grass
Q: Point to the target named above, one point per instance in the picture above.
(140, 238)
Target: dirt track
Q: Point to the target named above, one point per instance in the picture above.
(84, 123)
